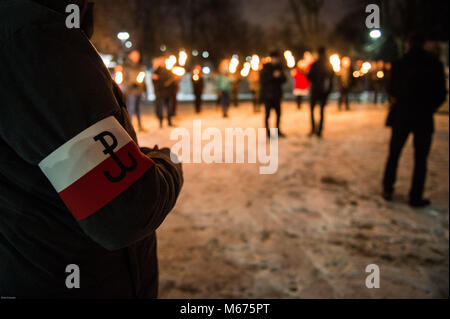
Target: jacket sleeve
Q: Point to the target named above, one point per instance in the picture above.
(56, 88)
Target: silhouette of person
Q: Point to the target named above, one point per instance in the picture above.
(321, 77)
(272, 79)
(417, 89)
(345, 80)
(198, 85)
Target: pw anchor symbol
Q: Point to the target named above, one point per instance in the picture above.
(109, 149)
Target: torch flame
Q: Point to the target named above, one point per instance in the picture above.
(335, 62)
(170, 62)
(179, 71)
(255, 62)
(290, 60)
(182, 58)
(234, 63)
(140, 78)
(246, 69)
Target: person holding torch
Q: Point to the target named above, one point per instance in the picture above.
(198, 85)
(134, 76)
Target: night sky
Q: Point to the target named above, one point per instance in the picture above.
(268, 13)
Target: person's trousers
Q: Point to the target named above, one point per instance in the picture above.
(422, 146)
(198, 102)
(299, 101)
(343, 97)
(322, 101)
(161, 104)
(225, 102)
(272, 104)
(134, 107)
(235, 96)
(256, 101)
(173, 105)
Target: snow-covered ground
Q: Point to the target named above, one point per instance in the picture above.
(310, 230)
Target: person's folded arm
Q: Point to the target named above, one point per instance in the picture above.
(60, 113)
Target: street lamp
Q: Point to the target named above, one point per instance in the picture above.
(123, 36)
(375, 34)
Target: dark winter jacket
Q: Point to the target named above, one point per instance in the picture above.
(321, 77)
(164, 83)
(271, 86)
(61, 114)
(417, 86)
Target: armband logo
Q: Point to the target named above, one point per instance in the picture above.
(109, 149)
(95, 167)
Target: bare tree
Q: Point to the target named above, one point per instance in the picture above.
(306, 18)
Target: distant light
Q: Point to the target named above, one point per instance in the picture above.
(206, 70)
(182, 58)
(140, 78)
(163, 48)
(170, 62)
(288, 53)
(119, 77)
(123, 36)
(234, 63)
(195, 53)
(266, 60)
(107, 60)
(255, 62)
(356, 74)
(290, 60)
(335, 61)
(248, 58)
(246, 69)
(375, 34)
(128, 44)
(380, 74)
(179, 71)
(195, 77)
(366, 67)
(205, 54)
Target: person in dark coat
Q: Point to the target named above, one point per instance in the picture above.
(198, 85)
(321, 77)
(79, 199)
(272, 79)
(417, 89)
(163, 83)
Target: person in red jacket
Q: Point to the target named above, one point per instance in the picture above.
(301, 83)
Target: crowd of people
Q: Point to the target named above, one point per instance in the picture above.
(80, 195)
(313, 77)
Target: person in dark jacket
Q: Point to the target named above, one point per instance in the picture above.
(417, 89)
(272, 79)
(76, 191)
(163, 83)
(321, 77)
(198, 85)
